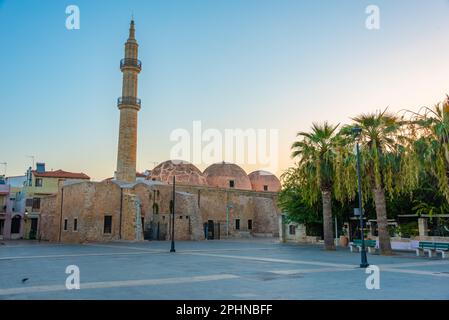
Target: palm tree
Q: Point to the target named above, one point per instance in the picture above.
(433, 142)
(316, 153)
(380, 153)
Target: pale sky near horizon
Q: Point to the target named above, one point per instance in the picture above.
(249, 64)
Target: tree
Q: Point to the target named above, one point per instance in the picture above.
(315, 172)
(291, 200)
(380, 163)
(432, 144)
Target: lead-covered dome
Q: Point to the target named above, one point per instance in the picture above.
(264, 181)
(185, 172)
(227, 175)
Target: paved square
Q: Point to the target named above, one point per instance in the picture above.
(244, 269)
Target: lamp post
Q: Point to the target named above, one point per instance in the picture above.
(173, 218)
(364, 261)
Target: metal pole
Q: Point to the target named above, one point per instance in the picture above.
(6, 166)
(173, 218)
(336, 232)
(364, 260)
(227, 220)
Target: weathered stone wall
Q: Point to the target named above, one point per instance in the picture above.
(90, 202)
(48, 224)
(131, 218)
(146, 197)
(260, 207)
(266, 216)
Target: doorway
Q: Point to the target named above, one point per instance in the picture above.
(33, 228)
(210, 230)
(15, 225)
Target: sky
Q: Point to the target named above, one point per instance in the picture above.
(247, 64)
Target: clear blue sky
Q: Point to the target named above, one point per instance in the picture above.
(229, 63)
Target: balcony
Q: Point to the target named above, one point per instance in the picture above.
(131, 63)
(128, 101)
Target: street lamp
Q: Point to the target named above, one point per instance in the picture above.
(173, 218)
(364, 261)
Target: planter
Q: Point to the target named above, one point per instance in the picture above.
(344, 241)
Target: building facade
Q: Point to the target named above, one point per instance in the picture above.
(218, 203)
(38, 184)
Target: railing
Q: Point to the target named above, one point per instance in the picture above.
(128, 101)
(133, 63)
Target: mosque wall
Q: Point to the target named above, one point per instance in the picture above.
(231, 212)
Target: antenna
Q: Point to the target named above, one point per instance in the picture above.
(6, 166)
(32, 157)
(154, 163)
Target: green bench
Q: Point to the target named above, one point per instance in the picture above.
(371, 245)
(433, 248)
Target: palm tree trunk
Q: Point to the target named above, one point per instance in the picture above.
(328, 231)
(382, 222)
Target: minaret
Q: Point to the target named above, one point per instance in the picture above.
(129, 106)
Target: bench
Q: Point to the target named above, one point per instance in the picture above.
(357, 243)
(433, 247)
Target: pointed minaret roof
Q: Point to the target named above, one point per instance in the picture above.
(132, 30)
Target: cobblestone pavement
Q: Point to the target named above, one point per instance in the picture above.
(233, 269)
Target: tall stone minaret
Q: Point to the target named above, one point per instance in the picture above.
(129, 106)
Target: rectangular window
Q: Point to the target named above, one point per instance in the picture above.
(237, 224)
(265, 188)
(250, 224)
(29, 202)
(292, 229)
(38, 182)
(36, 203)
(65, 224)
(107, 224)
(231, 183)
(75, 224)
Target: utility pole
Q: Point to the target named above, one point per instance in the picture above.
(173, 218)
(6, 166)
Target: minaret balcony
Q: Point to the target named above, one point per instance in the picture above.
(130, 63)
(128, 102)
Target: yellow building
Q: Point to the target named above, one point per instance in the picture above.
(41, 183)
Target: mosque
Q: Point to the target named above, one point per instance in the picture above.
(221, 202)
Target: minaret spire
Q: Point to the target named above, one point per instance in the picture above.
(132, 30)
(129, 106)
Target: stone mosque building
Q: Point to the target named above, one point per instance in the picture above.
(221, 202)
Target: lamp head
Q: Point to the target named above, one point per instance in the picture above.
(356, 131)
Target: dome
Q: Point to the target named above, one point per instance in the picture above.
(185, 172)
(227, 175)
(264, 181)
